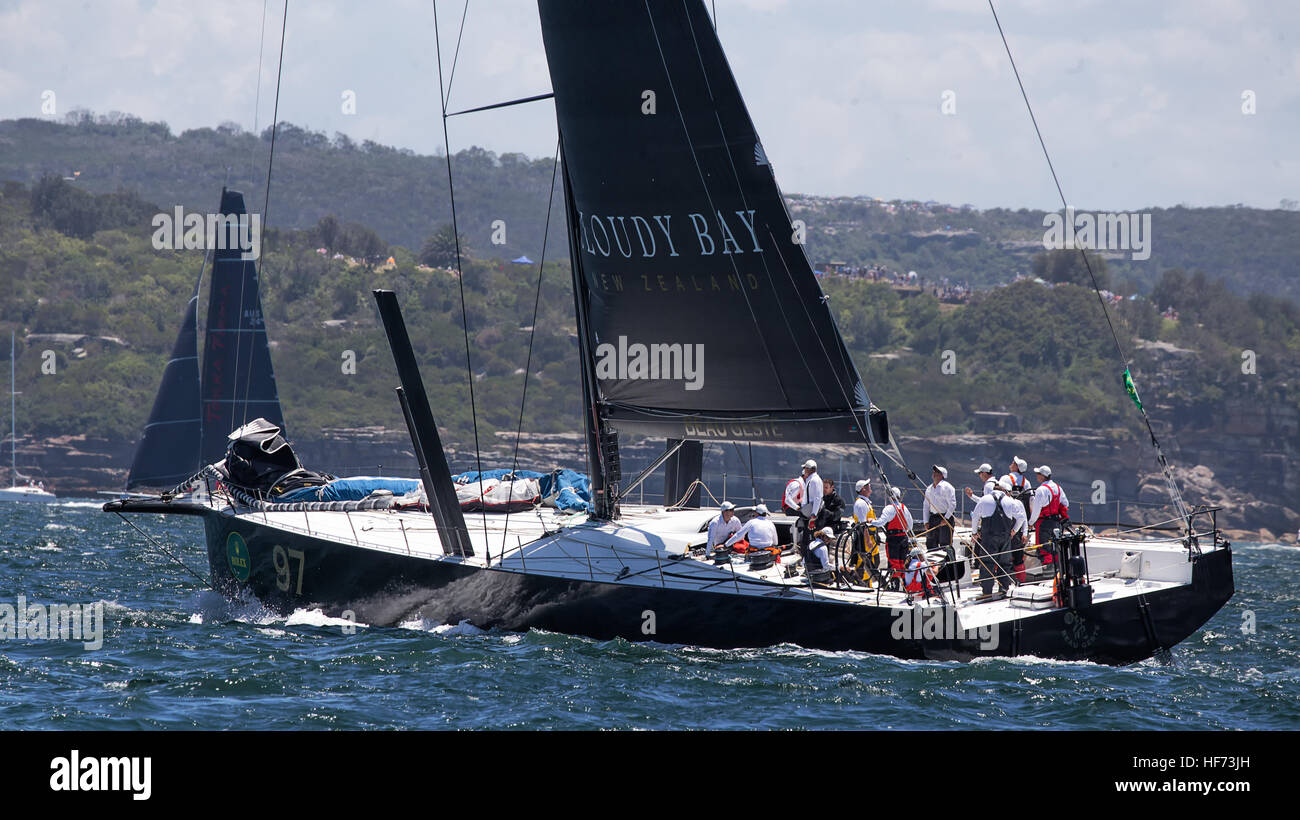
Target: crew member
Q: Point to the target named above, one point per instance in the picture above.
(832, 512)
(759, 532)
(1049, 511)
(985, 472)
(939, 509)
(1022, 491)
(917, 577)
(819, 558)
(994, 520)
(724, 526)
(862, 511)
(864, 545)
(793, 496)
(897, 522)
(812, 502)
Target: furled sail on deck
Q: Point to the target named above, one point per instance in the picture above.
(702, 315)
(168, 452)
(238, 383)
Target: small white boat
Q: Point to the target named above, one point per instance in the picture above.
(19, 492)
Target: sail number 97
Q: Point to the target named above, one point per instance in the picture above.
(283, 574)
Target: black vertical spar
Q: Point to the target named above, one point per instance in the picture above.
(602, 499)
(434, 472)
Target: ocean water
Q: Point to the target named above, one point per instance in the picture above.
(176, 655)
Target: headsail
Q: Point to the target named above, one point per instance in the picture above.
(238, 383)
(168, 452)
(704, 319)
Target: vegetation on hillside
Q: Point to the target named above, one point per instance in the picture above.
(76, 263)
(402, 197)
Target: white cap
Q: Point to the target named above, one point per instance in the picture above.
(810, 465)
(943, 471)
(727, 505)
(1020, 463)
(1045, 470)
(894, 492)
(761, 509)
(985, 468)
(866, 482)
(1004, 485)
(826, 532)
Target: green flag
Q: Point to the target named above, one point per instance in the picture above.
(1132, 389)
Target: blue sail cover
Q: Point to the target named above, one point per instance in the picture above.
(238, 381)
(168, 452)
(703, 318)
(572, 490)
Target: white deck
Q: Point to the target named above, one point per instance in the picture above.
(650, 546)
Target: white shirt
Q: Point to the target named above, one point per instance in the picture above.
(1042, 495)
(812, 495)
(720, 530)
(818, 548)
(1014, 510)
(861, 509)
(1017, 481)
(940, 498)
(794, 493)
(760, 532)
(887, 515)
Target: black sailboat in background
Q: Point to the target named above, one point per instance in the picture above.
(699, 318)
(195, 410)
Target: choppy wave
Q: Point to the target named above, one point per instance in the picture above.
(177, 655)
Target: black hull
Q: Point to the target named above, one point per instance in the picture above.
(383, 589)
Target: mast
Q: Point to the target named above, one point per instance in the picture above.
(601, 492)
(13, 408)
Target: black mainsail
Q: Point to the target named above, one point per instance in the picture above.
(700, 315)
(238, 381)
(168, 452)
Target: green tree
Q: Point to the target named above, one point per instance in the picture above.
(1067, 266)
(439, 250)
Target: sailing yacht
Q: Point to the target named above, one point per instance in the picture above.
(680, 245)
(30, 491)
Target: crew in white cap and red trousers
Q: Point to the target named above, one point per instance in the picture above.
(1050, 510)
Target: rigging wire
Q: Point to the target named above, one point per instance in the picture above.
(863, 429)
(1164, 463)
(532, 335)
(261, 45)
(266, 200)
(690, 143)
(460, 272)
(451, 77)
(166, 551)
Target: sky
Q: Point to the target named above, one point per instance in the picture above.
(1141, 104)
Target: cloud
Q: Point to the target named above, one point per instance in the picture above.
(1139, 105)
